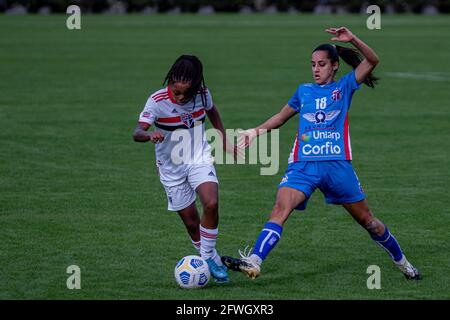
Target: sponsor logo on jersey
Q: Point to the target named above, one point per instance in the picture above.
(328, 148)
(323, 135)
(211, 174)
(321, 116)
(146, 114)
(174, 111)
(306, 137)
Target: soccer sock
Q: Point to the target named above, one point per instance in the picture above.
(196, 244)
(267, 240)
(208, 239)
(388, 242)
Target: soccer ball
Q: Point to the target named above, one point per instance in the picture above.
(192, 272)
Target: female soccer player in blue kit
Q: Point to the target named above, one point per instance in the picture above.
(321, 156)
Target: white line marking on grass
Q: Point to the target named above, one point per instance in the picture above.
(431, 76)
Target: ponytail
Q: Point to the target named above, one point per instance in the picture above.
(352, 57)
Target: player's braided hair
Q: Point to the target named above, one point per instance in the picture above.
(350, 56)
(188, 68)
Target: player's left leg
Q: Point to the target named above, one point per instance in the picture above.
(380, 233)
(208, 193)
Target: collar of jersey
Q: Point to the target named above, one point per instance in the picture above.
(170, 95)
(321, 85)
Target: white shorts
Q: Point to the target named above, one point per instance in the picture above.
(182, 195)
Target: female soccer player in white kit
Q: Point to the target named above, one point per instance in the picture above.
(178, 112)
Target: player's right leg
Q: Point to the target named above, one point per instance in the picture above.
(181, 199)
(250, 263)
(191, 220)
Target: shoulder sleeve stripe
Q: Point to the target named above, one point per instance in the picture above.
(160, 98)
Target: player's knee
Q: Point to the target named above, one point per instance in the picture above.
(210, 206)
(279, 212)
(374, 226)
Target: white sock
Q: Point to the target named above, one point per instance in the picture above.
(196, 245)
(208, 239)
(254, 258)
(402, 261)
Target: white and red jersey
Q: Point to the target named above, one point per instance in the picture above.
(183, 127)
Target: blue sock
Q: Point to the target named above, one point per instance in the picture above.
(267, 239)
(388, 242)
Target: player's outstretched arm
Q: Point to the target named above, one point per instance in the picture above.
(370, 60)
(216, 121)
(142, 135)
(246, 137)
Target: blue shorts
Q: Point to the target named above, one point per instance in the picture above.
(336, 179)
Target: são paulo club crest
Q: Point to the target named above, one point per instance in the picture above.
(336, 95)
(187, 119)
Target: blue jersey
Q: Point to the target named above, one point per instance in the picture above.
(323, 131)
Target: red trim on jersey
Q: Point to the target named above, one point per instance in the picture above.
(296, 148)
(176, 119)
(162, 98)
(158, 95)
(198, 113)
(170, 95)
(169, 119)
(145, 123)
(346, 139)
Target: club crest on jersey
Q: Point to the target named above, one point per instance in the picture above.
(187, 119)
(321, 117)
(336, 95)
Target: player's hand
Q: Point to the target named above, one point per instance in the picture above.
(341, 34)
(156, 136)
(245, 138)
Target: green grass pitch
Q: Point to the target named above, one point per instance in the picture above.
(75, 188)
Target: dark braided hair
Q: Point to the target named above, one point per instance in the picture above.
(188, 68)
(350, 56)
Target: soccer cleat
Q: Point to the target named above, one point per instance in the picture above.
(219, 273)
(231, 263)
(245, 264)
(408, 270)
